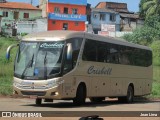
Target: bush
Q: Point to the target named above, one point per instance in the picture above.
(6, 67)
(156, 52)
(144, 36)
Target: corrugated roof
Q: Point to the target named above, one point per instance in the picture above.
(110, 2)
(135, 16)
(102, 10)
(18, 5)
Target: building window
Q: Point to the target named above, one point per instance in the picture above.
(56, 10)
(26, 15)
(5, 14)
(16, 15)
(76, 23)
(112, 17)
(95, 15)
(102, 17)
(74, 11)
(65, 10)
(53, 22)
(65, 26)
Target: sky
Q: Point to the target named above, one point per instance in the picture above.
(133, 5)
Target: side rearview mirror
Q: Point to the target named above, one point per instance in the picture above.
(9, 49)
(69, 51)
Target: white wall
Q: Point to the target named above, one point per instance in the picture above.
(32, 26)
(117, 34)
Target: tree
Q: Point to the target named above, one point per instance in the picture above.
(148, 33)
(141, 10)
(151, 7)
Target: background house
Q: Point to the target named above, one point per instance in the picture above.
(118, 7)
(128, 20)
(14, 11)
(101, 16)
(66, 14)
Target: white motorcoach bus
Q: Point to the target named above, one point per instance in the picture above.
(68, 65)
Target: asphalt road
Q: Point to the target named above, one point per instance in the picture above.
(27, 104)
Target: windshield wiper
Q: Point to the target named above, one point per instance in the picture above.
(30, 64)
(18, 57)
(45, 67)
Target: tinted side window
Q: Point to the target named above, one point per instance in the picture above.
(113, 53)
(117, 54)
(101, 51)
(124, 54)
(90, 51)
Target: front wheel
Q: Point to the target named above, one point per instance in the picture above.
(38, 101)
(80, 95)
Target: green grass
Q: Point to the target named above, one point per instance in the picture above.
(6, 67)
(156, 83)
(6, 70)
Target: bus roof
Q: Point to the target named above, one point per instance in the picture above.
(59, 35)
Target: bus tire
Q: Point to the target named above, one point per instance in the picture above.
(122, 99)
(130, 95)
(38, 101)
(80, 95)
(97, 99)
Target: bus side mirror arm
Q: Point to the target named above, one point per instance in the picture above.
(69, 51)
(9, 49)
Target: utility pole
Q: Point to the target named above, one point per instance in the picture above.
(31, 2)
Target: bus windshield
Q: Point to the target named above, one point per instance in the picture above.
(38, 60)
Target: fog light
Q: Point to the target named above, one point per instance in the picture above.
(54, 93)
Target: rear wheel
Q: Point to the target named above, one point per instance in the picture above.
(38, 101)
(80, 95)
(130, 96)
(97, 99)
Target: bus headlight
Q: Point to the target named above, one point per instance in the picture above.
(54, 83)
(17, 84)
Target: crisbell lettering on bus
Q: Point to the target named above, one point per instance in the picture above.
(100, 71)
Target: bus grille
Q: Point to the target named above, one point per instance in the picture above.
(34, 93)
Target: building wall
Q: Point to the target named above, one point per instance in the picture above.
(81, 9)
(70, 2)
(43, 7)
(71, 25)
(38, 25)
(75, 21)
(28, 27)
(96, 22)
(128, 24)
(8, 20)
